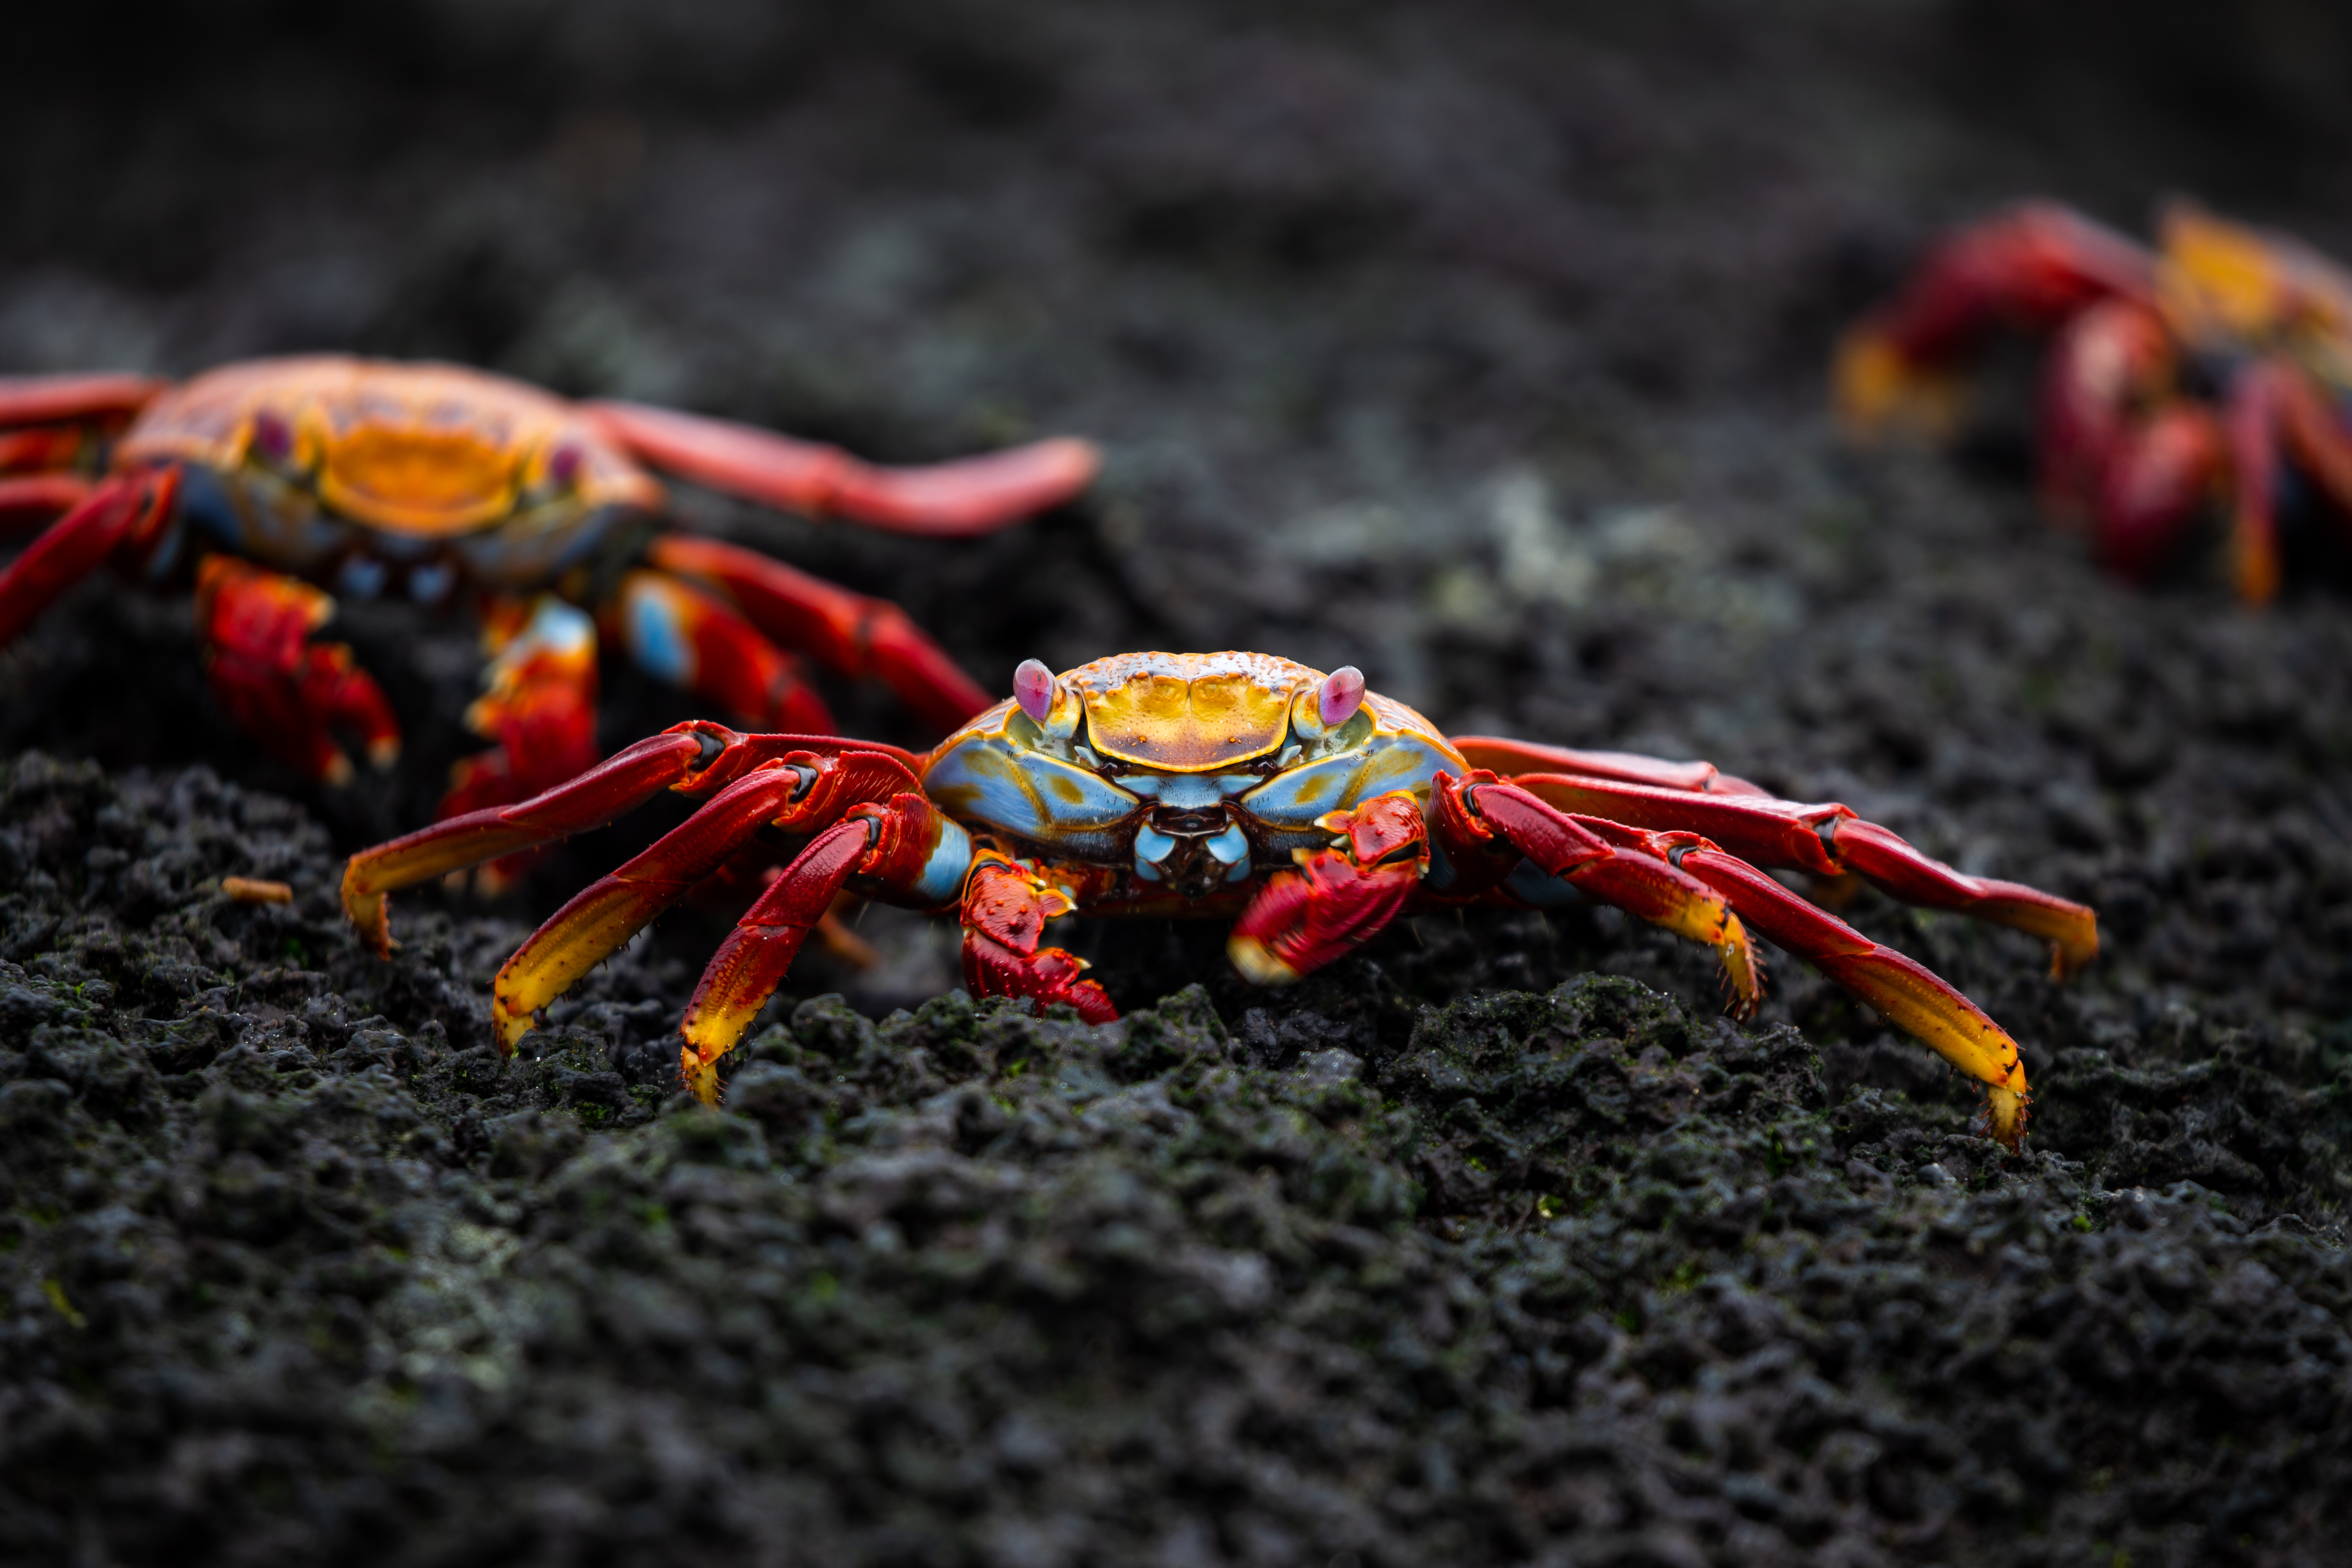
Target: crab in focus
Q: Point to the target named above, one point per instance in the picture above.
(266, 483)
(1230, 785)
(2209, 373)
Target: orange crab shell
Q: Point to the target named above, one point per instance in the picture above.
(426, 450)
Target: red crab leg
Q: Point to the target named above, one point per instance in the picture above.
(2026, 271)
(845, 631)
(58, 399)
(2275, 409)
(120, 513)
(976, 495)
(282, 688)
(1830, 840)
(906, 849)
(30, 500)
(801, 792)
(691, 638)
(1503, 755)
(1005, 907)
(1910, 996)
(696, 758)
(1481, 819)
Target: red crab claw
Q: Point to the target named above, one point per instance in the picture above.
(1830, 841)
(122, 516)
(1486, 825)
(1005, 907)
(1339, 898)
(283, 689)
(2026, 271)
(977, 495)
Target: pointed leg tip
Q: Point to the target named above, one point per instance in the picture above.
(2004, 1117)
(696, 1077)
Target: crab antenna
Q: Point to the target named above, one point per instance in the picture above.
(1342, 694)
(1033, 687)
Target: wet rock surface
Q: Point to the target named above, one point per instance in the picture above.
(1482, 352)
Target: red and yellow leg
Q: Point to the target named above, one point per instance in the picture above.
(691, 638)
(903, 848)
(1830, 840)
(1487, 827)
(1908, 995)
(54, 433)
(283, 689)
(2027, 271)
(976, 495)
(1339, 898)
(696, 759)
(119, 518)
(1006, 904)
(843, 631)
(801, 792)
(2278, 413)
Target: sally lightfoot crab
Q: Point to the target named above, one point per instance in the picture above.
(269, 482)
(2211, 374)
(1231, 784)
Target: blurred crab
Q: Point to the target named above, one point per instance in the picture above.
(1214, 784)
(269, 482)
(2213, 371)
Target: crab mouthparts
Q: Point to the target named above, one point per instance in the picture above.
(1193, 848)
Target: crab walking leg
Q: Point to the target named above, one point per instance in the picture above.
(696, 758)
(119, 513)
(283, 689)
(2276, 411)
(1643, 885)
(691, 638)
(1911, 996)
(1830, 840)
(976, 495)
(843, 631)
(28, 501)
(100, 398)
(1005, 907)
(1503, 755)
(908, 850)
(802, 792)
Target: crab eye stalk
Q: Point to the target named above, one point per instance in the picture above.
(1033, 687)
(564, 467)
(1342, 693)
(272, 437)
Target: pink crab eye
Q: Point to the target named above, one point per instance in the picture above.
(271, 437)
(1342, 694)
(563, 464)
(1033, 687)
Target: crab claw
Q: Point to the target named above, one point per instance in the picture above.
(1339, 898)
(1005, 907)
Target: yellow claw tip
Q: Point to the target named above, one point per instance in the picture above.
(701, 1078)
(338, 772)
(1258, 966)
(2005, 1115)
(381, 754)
